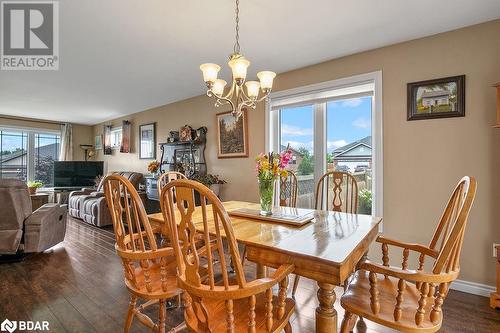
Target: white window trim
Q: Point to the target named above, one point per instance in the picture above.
(323, 91)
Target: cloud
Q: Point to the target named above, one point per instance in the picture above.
(352, 103)
(335, 144)
(296, 145)
(362, 123)
(291, 130)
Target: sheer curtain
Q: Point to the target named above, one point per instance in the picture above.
(66, 152)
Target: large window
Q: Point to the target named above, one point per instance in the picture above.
(29, 155)
(332, 126)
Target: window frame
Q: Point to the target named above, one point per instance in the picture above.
(30, 155)
(318, 94)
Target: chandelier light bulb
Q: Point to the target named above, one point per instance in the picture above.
(266, 79)
(218, 87)
(210, 72)
(239, 66)
(252, 89)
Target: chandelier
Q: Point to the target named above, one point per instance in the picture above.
(241, 95)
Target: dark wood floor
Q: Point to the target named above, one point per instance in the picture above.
(78, 287)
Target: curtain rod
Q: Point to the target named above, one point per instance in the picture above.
(32, 120)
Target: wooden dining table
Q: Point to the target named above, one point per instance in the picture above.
(327, 249)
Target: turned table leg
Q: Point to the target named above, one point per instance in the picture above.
(261, 271)
(326, 315)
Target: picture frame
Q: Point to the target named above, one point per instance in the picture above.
(147, 141)
(185, 134)
(437, 98)
(232, 135)
(98, 142)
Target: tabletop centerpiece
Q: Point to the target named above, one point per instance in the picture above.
(269, 167)
(154, 167)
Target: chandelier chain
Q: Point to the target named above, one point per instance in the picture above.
(237, 43)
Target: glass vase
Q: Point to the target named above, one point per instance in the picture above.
(266, 193)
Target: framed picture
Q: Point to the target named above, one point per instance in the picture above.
(147, 141)
(232, 135)
(185, 133)
(98, 142)
(439, 98)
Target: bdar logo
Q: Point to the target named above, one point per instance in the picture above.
(8, 326)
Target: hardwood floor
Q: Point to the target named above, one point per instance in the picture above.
(78, 287)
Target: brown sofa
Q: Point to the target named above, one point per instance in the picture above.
(90, 205)
(23, 230)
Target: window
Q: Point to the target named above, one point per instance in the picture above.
(331, 126)
(116, 137)
(29, 155)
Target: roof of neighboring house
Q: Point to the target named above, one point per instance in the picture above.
(294, 151)
(436, 93)
(366, 141)
(47, 150)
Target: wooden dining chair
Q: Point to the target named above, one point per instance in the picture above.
(410, 300)
(336, 191)
(288, 187)
(150, 270)
(222, 302)
(167, 177)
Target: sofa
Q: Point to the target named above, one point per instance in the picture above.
(21, 229)
(89, 205)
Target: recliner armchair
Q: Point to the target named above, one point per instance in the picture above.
(24, 230)
(90, 205)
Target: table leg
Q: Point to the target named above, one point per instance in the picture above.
(261, 271)
(326, 315)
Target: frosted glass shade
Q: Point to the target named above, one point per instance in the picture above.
(266, 79)
(239, 67)
(218, 87)
(252, 88)
(210, 72)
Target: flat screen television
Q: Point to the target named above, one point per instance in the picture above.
(76, 173)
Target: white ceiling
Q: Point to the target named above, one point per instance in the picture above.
(123, 56)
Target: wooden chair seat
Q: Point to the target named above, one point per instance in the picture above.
(217, 313)
(156, 283)
(357, 299)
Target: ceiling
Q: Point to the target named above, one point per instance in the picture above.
(123, 56)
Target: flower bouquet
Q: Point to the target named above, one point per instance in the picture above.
(269, 167)
(153, 167)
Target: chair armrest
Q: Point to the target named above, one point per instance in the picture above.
(411, 246)
(83, 191)
(235, 292)
(408, 274)
(97, 194)
(44, 213)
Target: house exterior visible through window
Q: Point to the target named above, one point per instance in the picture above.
(29, 155)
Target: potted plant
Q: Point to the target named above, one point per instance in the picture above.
(213, 182)
(33, 186)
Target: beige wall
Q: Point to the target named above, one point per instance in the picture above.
(422, 159)
(81, 133)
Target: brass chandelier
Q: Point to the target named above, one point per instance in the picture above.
(238, 97)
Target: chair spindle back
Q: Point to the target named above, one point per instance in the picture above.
(337, 191)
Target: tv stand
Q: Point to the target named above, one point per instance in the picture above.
(60, 194)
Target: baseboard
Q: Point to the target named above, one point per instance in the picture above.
(472, 288)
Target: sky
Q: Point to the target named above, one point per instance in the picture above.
(10, 140)
(347, 121)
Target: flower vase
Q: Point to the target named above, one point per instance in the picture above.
(266, 193)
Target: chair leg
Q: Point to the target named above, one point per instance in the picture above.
(344, 328)
(130, 313)
(361, 325)
(161, 316)
(288, 328)
(295, 285)
(243, 256)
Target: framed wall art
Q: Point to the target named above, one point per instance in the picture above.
(438, 98)
(232, 135)
(147, 141)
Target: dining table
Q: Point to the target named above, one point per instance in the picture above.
(326, 249)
